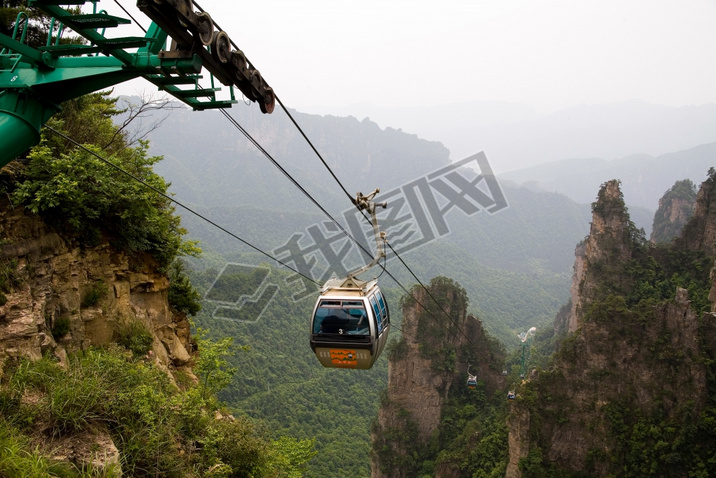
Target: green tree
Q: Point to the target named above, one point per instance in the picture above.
(37, 27)
(84, 191)
(182, 294)
(212, 366)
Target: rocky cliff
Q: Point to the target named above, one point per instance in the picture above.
(628, 390)
(427, 369)
(58, 296)
(608, 246)
(675, 209)
(61, 296)
(699, 234)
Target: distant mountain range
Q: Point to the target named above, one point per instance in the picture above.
(508, 261)
(644, 178)
(516, 136)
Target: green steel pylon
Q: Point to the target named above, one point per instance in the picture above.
(35, 81)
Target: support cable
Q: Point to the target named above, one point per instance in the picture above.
(295, 123)
(130, 16)
(291, 178)
(166, 196)
(300, 130)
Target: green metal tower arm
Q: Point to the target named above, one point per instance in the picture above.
(35, 81)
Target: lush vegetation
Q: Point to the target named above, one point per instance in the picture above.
(652, 273)
(159, 429)
(446, 300)
(279, 380)
(105, 188)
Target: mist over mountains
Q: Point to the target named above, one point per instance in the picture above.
(516, 264)
(644, 177)
(516, 136)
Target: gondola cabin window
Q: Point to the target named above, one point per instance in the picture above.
(343, 317)
(376, 310)
(383, 309)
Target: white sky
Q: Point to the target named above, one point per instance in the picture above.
(321, 55)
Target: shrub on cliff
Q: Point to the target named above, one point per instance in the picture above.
(88, 190)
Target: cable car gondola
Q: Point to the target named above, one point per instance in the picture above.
(471, 379)
(350, 324)
(351, 320)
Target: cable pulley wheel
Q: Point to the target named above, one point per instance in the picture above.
(269, 101)
(238, 59)
(256, 80)
(184, 9)
(221, 47)
(205, 27)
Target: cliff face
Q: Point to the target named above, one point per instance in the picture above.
(607, 247)
(700, 232)
(60, 296)
(675, 209)
(631, 376)
(428, 365)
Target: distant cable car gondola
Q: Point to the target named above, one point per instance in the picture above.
(471, 379)
(351, 320)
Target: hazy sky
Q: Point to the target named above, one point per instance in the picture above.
(321, 55)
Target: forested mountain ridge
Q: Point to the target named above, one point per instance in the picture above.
(629, 390)
(234, 172)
